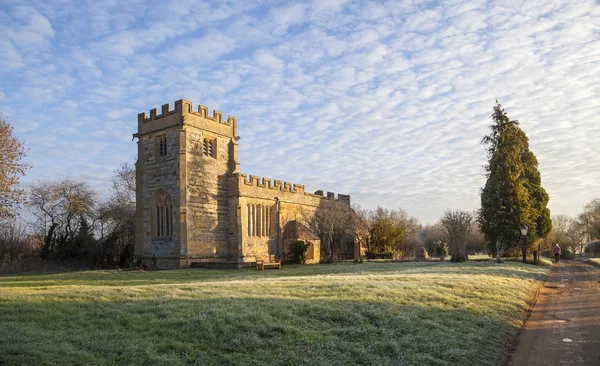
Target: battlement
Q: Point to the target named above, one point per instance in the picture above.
(278, 185)
(183, 107)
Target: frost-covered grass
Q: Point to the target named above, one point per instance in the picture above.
(480, 257)
(594, 261)
(339, 314)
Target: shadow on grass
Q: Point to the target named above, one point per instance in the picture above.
(247, 331)
(126, 278)
(579, 272)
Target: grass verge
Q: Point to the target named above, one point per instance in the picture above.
(594, 261)
(368, 314)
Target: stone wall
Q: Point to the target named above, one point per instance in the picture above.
(155, 172)
(291, 203)
(207, 198)
(313, 253)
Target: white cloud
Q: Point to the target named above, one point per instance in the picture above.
(423, 21)
(327, 6)
(285, 17)
(30, 28)
(386, 101)
(266, 59)
(10, 58)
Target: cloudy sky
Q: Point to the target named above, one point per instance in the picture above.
(385, 101)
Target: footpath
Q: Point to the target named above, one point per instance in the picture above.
(564, 326)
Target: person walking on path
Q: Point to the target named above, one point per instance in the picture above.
(556, 250)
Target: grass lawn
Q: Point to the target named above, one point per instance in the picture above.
(594, 261)
(338, 314)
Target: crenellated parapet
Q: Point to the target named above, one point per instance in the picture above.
(184, 107)
(254, 181)
(275, 185)
(184, 113)
(344, 197)
(165, 111)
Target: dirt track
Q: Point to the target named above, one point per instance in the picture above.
(564, 327)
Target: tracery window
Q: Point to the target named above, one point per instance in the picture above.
(163, 217)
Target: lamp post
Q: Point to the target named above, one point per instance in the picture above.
(523, 229)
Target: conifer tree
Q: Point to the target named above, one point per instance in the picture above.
(513, 194)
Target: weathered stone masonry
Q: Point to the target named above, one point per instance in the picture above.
(217, 214)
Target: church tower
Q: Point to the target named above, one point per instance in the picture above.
(185, 160)
(195, 208)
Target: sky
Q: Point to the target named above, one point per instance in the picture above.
(385, 101)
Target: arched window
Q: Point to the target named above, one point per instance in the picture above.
(163, 217)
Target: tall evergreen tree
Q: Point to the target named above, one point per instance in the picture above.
(513, 194)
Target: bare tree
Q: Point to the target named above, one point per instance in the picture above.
(119, 209)
(568, 232)
(12, 152)
(577, 235)
(412, 240)
(560, 232)
(457, 226)
(332, 224)
(74, 224)
(431, 235)
(123, 183)
(476, 242)
(592, 218)
(14, 243)
(561, 222)
(413, 243)
(361, 228)
(60, 207)
(114, 219)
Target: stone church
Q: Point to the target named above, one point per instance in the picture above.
(195, 207)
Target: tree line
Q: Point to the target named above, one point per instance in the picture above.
(68, 221)
(394, 234)
(512, 199)
(577, 234)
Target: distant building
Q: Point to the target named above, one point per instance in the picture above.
(194, 207)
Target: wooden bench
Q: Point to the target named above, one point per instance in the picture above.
(263, 263)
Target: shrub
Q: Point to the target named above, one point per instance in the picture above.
(382, 255)
(37, 265)
(422, 255)
(14, 241)
(441, 249)
(298, 252)
(566, 254)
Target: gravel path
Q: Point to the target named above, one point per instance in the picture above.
(564, 326)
